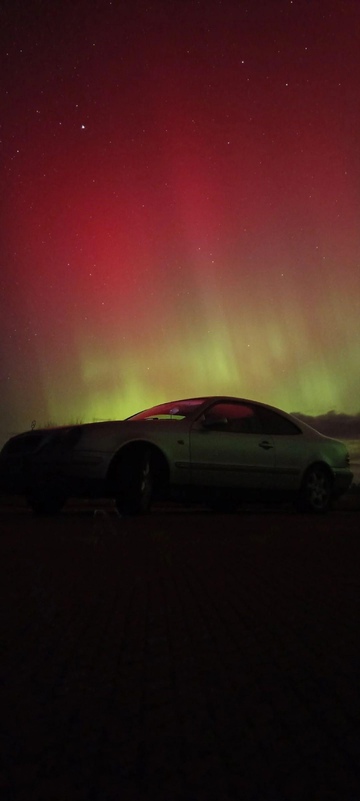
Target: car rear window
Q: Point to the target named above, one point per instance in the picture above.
(273, 423)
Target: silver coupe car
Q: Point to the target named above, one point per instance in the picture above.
(217, 450)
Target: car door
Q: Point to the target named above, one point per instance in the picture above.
(290, 449)
(228, 448)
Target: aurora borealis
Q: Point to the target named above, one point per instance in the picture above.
(180, 206)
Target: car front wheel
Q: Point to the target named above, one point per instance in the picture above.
(136, 480)
(315, 493)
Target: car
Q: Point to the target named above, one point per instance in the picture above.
(218, 450)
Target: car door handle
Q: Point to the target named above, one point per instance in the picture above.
(265, 444)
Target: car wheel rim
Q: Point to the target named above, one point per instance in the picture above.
(318, 490)
(146, 481)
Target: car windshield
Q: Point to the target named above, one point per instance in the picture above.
(176, 410)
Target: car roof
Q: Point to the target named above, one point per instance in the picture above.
(207, 398)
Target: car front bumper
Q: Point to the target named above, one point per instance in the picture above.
(342, 480)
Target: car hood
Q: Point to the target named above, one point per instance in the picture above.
(107, 435)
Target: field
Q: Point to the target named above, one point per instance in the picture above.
(183, 655)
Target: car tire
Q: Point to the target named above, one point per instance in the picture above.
(136, 480)
(315, 493)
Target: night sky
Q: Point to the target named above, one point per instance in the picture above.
(180, 206)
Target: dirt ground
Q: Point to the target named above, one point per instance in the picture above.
(179, 656)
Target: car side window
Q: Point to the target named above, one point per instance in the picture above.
(236, 418)
(273, 423)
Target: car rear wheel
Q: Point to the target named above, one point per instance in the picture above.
(315, 493)
(136, 480)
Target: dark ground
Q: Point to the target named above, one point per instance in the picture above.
(184, 655)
